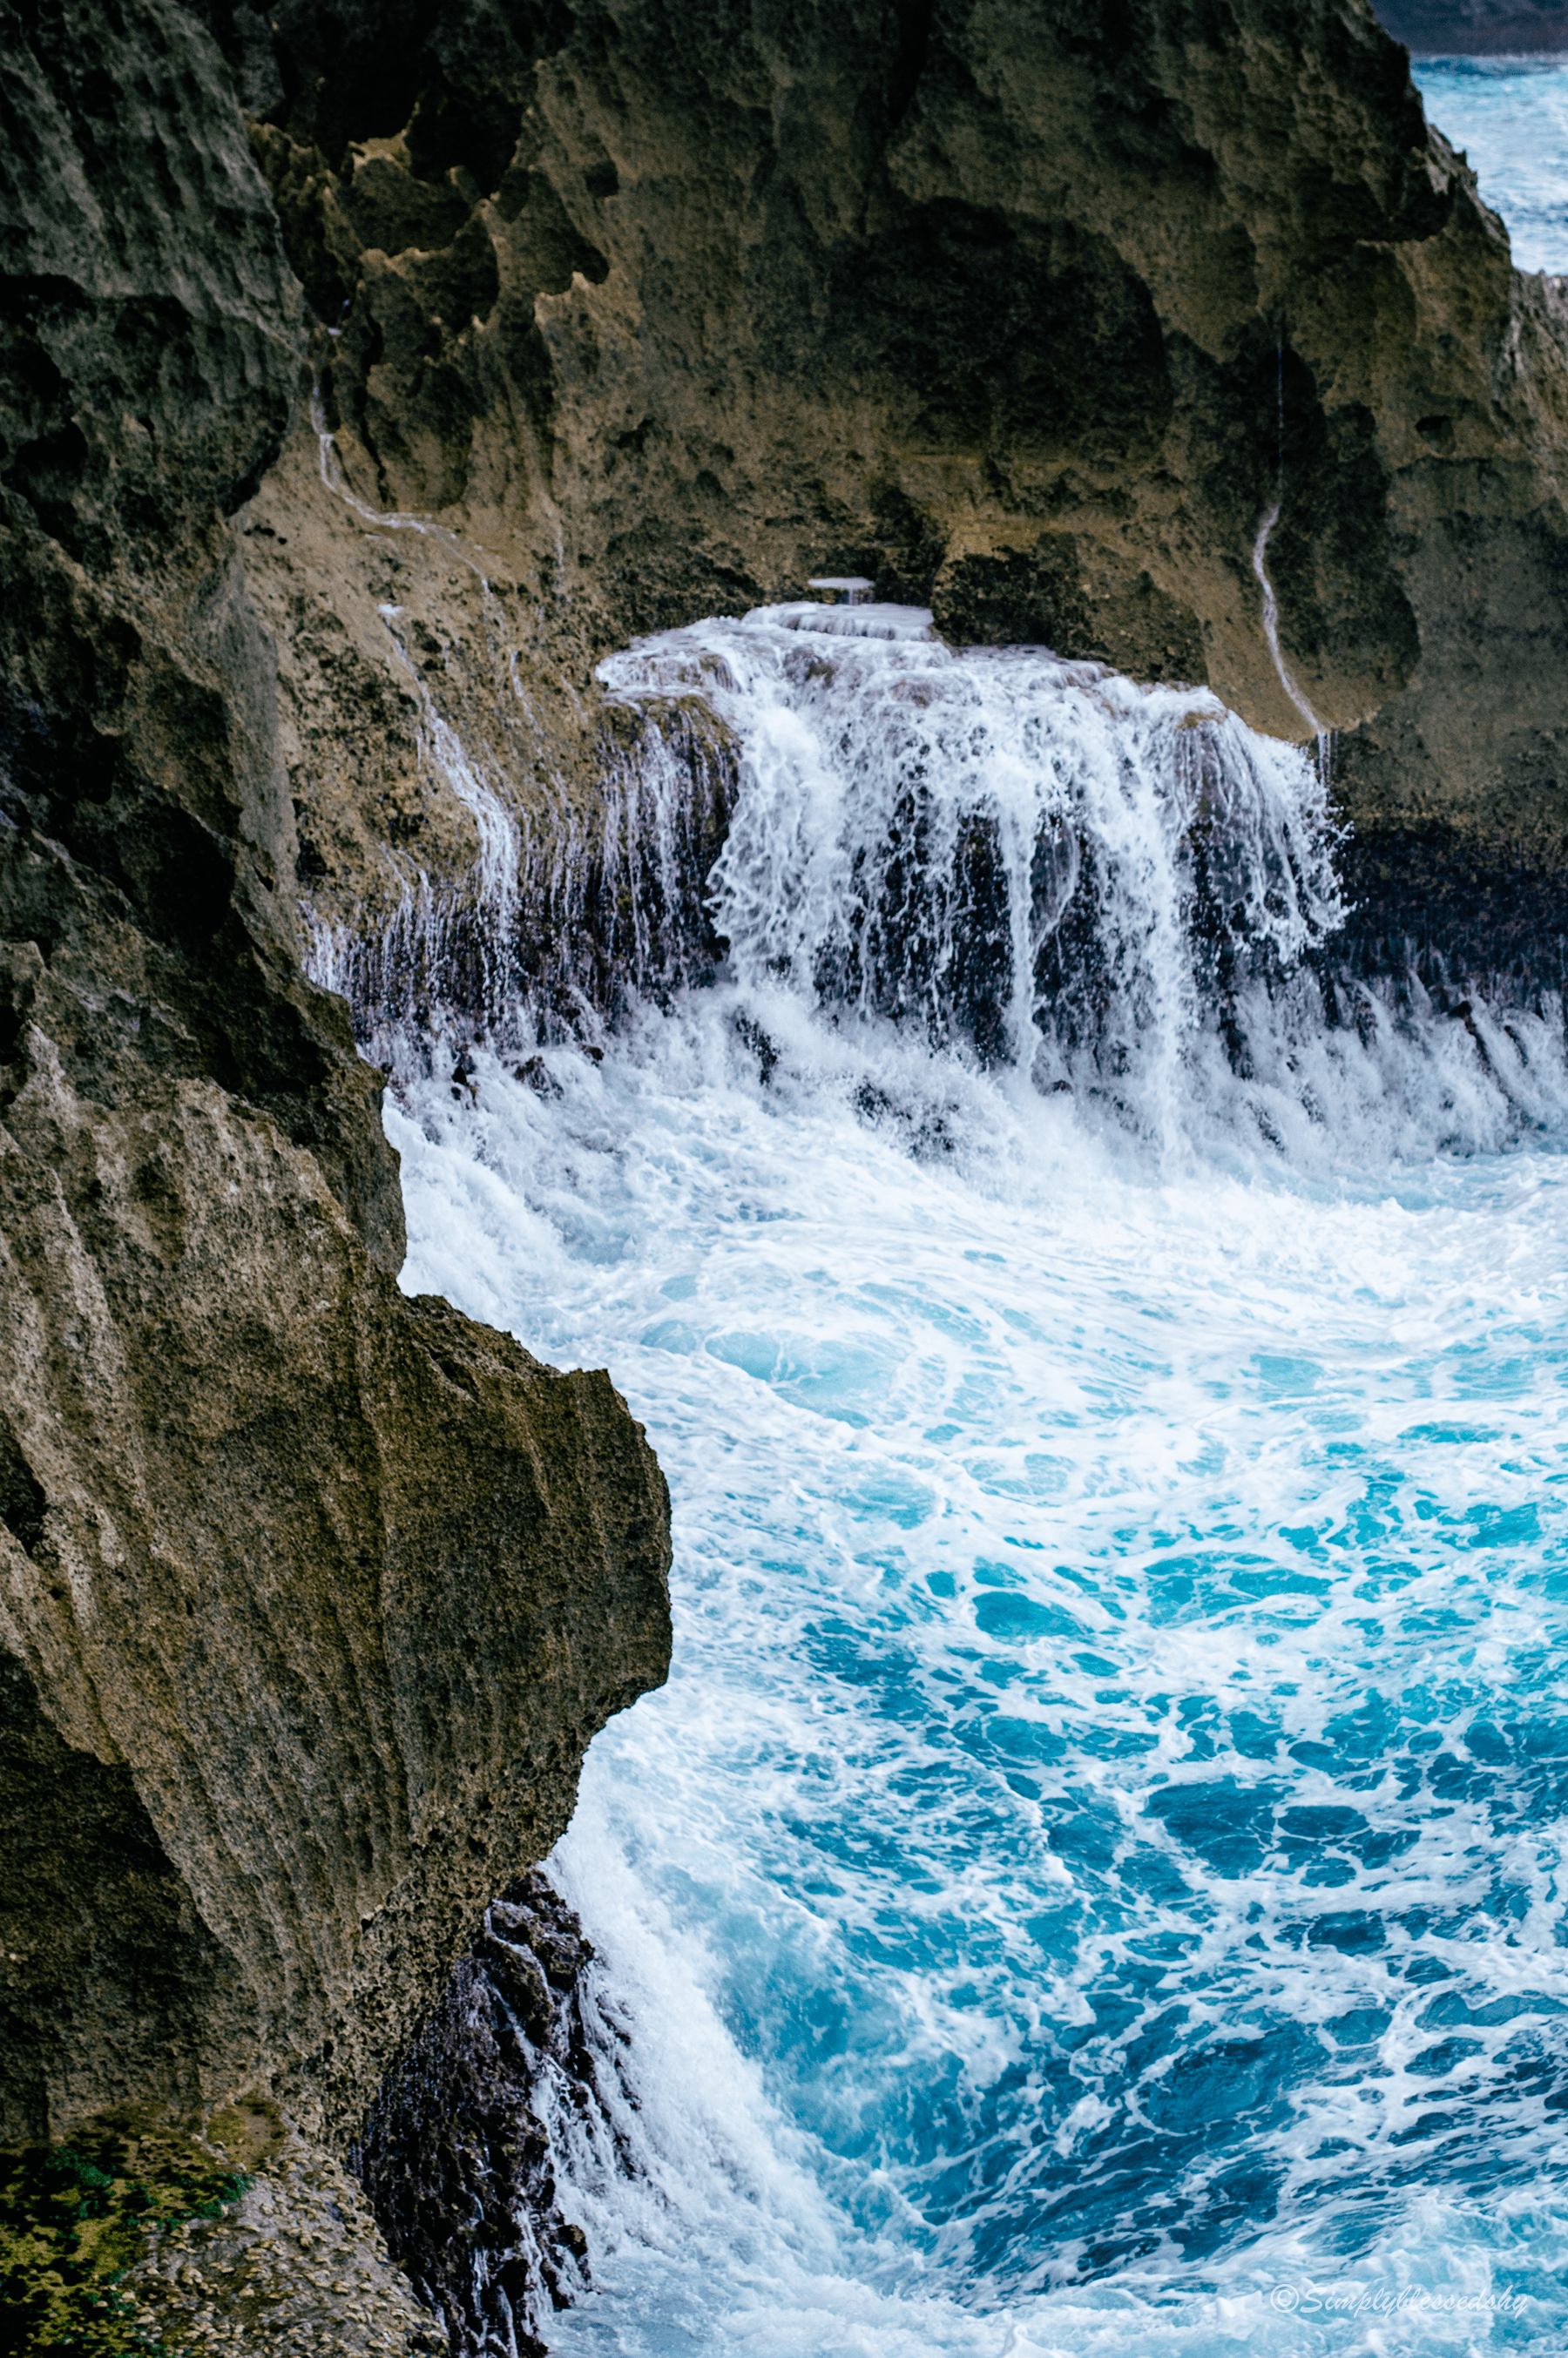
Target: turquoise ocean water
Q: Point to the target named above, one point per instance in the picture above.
(1509, 115)
(1094, 1883)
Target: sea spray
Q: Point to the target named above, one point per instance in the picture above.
(1116, 893)
(1094, 1881)
(1099, 1858)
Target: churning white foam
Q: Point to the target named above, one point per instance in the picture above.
(1120, 891)
(1095, 1880)
(1100, 1856)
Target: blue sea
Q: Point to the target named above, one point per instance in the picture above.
(1509, 117)
(1096, 1882)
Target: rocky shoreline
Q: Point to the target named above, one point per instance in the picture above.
(370, 371)
(455, 2158)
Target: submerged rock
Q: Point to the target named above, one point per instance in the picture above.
(457, 2161)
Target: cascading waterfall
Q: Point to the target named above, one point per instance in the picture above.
(565, 916)
(1094, 1882)
(424, 934)
(1118, 892)
(1000, 846)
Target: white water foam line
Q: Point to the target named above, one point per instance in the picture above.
(1271, 632)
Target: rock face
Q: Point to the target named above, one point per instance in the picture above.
(474, 824)
(294, 2269)
(310, 1597)
(1066, 319)
(1034, 312)
(455, 2155)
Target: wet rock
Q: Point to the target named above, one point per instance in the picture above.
(310, 1597)
(1464, 912)
(457, 2156)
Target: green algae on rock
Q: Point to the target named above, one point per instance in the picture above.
(295, 2268)
(75, 2220)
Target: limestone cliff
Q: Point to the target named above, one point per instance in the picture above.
(310, 1597)
(617, 312)
(1030, 310)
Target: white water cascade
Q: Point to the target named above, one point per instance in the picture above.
(1095, 1883)
(1272, 624)
(1115, 892)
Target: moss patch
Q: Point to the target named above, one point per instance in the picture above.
(73, 2219)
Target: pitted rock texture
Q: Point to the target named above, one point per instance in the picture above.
(341, 1584)
(147, 372)
(294, 2269)
(1031, 310)
(310, 1595)
(475, 831)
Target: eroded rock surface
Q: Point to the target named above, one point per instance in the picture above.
(341, 1584)
(294, 2269)
(458, 2155)
(1034, 312)
(310, 1595)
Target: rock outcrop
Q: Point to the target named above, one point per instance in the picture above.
(310, 1595)
(296, 2269)
(474, 824)
(1034, 312)
(459, 2153)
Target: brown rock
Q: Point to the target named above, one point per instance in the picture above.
(1028, 312)
(310, 1597)
(335, 1587)
(295, 2264)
